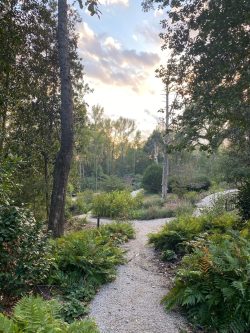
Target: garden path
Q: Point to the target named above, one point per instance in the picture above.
(131, 304)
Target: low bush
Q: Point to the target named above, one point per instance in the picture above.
(115, 204)
(213, 285)
(175, 234)
(152, 178)
(152, 201)
(33, 315)
(24, 250)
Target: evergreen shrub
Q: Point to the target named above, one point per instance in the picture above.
(24, 250)
(152, 178)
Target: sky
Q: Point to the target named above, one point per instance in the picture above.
(120, 53)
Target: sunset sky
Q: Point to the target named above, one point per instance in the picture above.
(120, 52)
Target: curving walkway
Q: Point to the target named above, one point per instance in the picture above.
(131, 304)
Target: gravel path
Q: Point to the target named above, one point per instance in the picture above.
(131, 304)
(209, 200)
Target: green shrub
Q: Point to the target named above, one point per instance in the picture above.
(115, 204)
(33, 315)
(176, 233)
(152, 178)
(86, 255)
(213, 285)
(24, 249)
(244, 200)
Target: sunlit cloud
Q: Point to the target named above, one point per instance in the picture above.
(115, 2)
(106, 60)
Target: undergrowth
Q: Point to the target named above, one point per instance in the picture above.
(85, 260)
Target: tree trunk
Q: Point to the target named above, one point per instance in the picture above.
(165, 150)
(64, 156)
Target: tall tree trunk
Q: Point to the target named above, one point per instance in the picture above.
(165, 150)
(64, 156)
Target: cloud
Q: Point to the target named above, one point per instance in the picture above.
(149, 32)
(107, 61)
(115, 2)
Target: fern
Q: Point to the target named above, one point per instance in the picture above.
(7, 325)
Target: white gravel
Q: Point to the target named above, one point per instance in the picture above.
(210, 200)
(131, 304)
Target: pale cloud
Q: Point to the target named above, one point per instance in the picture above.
(149, 32)
(107, 61)
(115, 2)
(110, 42)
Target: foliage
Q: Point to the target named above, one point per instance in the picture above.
(112, 183)
(216, 94)
(33, 315)
(8, 168)
(24, 250)
(83, 261)
(213, 285)
(191, 197)
(116, 204)
(175, 234)
(152, 178)
(244, 200)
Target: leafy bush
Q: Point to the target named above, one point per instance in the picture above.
(33, 315)
(115, 204)
(176, 233)
(152, 178)
(244, 200)
(24, 250)
(213, 285)
(152, 201)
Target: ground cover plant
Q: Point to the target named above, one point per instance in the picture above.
(33, 315)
